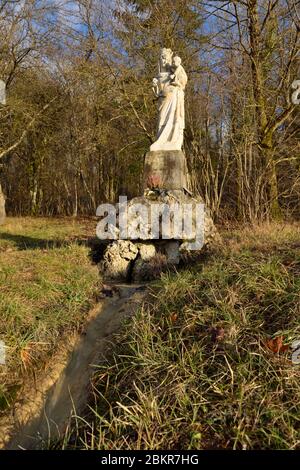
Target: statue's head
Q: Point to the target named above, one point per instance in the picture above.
(166, 57)
(176, 61)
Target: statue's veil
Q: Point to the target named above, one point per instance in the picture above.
(169, 54)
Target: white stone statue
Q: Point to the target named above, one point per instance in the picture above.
(169, 87)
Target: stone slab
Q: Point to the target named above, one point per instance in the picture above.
(166, 168)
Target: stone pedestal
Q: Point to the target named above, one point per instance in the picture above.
(168, 169)
(143, 256)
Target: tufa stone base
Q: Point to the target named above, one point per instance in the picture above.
(145, 258)
(129, 261)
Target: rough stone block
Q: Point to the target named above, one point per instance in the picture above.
(166, 169)
(117, 260)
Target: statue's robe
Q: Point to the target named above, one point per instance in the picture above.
(171, 111)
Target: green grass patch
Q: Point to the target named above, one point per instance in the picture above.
(47, 286)
(192, 370)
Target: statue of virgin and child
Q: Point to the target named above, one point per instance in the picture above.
(169, 88)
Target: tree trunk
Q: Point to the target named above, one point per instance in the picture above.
(265, 140)
(271, 178)
(2, 207)
(33, 195)
(75, 206)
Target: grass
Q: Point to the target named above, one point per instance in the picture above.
(193, 369)
(47, 286)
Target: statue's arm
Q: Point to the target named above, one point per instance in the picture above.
(180, 79)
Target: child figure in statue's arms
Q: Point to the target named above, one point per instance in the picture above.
(178, 77)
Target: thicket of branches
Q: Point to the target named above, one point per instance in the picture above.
(80, 113)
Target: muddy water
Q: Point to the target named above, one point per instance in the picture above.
(45, 412)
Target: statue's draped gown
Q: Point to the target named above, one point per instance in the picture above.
(171, 111)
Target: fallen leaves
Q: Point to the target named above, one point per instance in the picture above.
(276, 345)
(217, 334)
